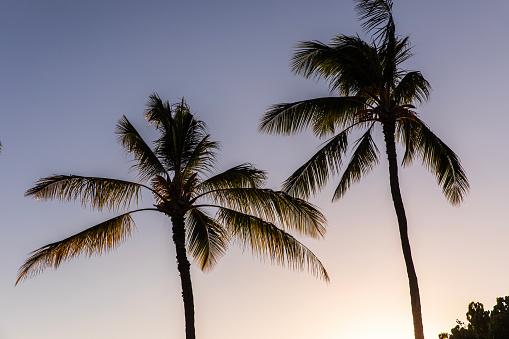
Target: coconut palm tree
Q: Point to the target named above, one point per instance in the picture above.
(373, 90)
(206, 213)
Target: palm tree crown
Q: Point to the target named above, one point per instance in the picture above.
(207, 213)
(373, 90)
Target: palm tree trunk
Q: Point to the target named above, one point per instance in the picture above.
(183, 266)
(389, 132)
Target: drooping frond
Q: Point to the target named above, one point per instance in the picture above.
(324, 115)
(289, 212)
(206, 240)
(313, 175)
(147, 164)
(94, 240)
(244, 175)
(349, 64)
(267, 241)
(98, 193)
(438, 158)
(412, 88)
(363, 160)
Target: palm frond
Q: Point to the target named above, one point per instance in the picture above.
(402, 50)
(158, 113)
(267, 241)
(349, 64)
(244, 175)
(202, 158)
(99, 193)
(314, 174)
(289, 212)
(436, 156)
(377, 16)
(206, 240)
(94, 240)
(184, 145)
(147, 164)
(412, 88)
(363, 159)
(324, 115)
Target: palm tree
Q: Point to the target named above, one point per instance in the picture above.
(373, 89)
(206, 213)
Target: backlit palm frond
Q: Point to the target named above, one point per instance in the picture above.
(289, 212)
(206, 240)
(441, 161)
(202, 158)
(158, 113)
(311, 59)
(349, 64)
(402, 50)
(313, 175)
(268, 241)
(186, 143)
(377, 16)
(94, 240)
(99, 193)
(412, 88)
(324, 115)
(356, 69)
(407, 134)
(364, 159)
(147, 164)
(244, 175)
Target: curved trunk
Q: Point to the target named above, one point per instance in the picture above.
(389, 132)
(179, 238)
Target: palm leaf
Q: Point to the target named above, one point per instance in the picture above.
(412, 87)
(147, 163)
(158, 113)
(185, 146)
(268, 241)
(94, 240)
(244, 175)
(202, 158)
(363, 159)
(438, 158)
(323, 114)
(99, 193)
(314, 174)
(206, 240)
(273, 206)
(377, 16)
(350, 65)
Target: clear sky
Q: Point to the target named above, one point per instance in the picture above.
(70, 69)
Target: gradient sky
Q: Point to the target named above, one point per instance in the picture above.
(70, 69)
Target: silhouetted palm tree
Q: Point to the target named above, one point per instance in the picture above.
(373, 90)
(206, 213)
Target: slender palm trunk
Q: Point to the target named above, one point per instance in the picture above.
(183, 266)
(389, 132)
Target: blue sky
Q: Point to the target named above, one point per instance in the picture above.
(70, 70)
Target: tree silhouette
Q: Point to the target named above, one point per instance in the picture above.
(373, 90)
(483, 324)
(206, 213)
